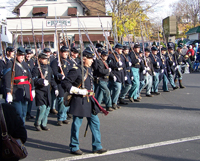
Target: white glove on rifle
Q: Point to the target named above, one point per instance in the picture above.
(162, 71)
(174, 64)
(129, 64)
(148, 68)
(9, 98)
(120, 63)
(63, 77)
(110, 69)
(132, 78)
(75, 90)
(33, 93)
(114, 78)
(154, 73)
(144, 72)
(139, 60)
(125, 78)
(56, 93)
(46, 82)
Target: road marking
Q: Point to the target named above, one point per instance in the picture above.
(129, 149)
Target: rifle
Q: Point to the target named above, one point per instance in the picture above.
(92, 45)
(42, 47)
(161, 56)
(66, 44)
(108, 41)
(1, 49)
(58, 45)
(145, 61)
(81, 46)
(36, 52)
(21, 33)
(129, 41)
(148, 36)
(13, 68)
(29, 42)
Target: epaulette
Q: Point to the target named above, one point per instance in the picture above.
(75, 67)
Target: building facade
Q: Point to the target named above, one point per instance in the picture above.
(45, 14)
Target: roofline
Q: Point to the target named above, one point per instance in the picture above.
(23, 1)
(53, 17)
(18, 6)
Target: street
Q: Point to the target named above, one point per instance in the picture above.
(164, 127)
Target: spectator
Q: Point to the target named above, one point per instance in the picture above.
(15, 125)
(190, 53)
(171, 44)
(181, 42)
(184, 50)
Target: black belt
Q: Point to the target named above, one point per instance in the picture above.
(20, 80)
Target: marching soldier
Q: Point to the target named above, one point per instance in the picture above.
(117, 63)
(42, 83)
(83, 104)
(157, 64)
(22, 89)
(9, 55)
(179, 60)
(53, 56)
(66, 65)
(128, 83)
(74, 56)
(149, 73)
(103, 74)
(171, 67)
(167, 71)
(30, 64)
(135, 60)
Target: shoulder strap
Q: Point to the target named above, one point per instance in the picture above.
(3, 122)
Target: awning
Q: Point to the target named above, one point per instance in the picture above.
(47, 38)
(38, 10)
(93, 37)
(72, 11)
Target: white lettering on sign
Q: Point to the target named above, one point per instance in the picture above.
(51, 23)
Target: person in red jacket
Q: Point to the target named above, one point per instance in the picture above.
(190, 53)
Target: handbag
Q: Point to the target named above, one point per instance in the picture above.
(12, 149)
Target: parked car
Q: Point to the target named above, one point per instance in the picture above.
(192, 42)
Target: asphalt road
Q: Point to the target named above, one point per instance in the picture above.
(161, 121)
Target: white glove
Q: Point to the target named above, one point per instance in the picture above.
(132, 78)
(130, 64)
(33, 93)
(173, 64)
(75, 90)
(169, 73)
(144, 72)
(154, 73)
(139, 60)
(46, 82)
(125, 78)
(148, 69)
(176, 67)
(158, 64)
(9, 98)
(114, 78)
(63, 77)
(162, 71)
(56, 93)
(110, 69)
(120, 63)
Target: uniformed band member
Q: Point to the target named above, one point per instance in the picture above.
(30, 64)
(22, 89)
(103, 74)
(42, 88)
(83, 104)
(66, 65)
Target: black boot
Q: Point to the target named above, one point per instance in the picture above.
(122, 101)
(180, 84)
